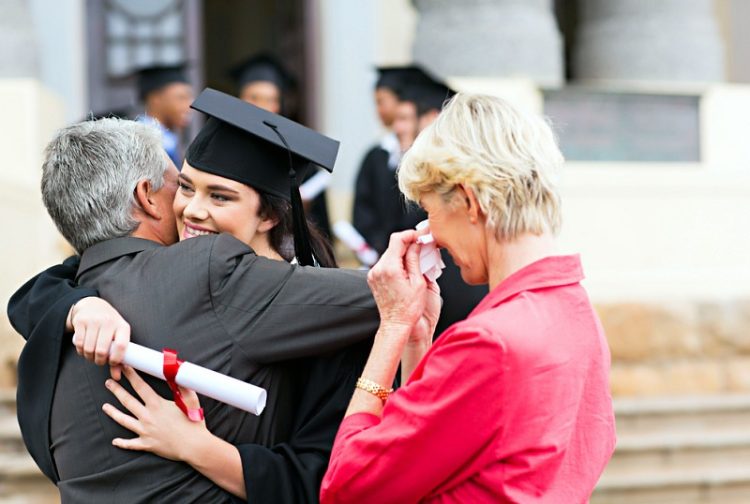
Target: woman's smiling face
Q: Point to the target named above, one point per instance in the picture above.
(209, 204)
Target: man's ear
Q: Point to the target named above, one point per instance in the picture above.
(144, 199)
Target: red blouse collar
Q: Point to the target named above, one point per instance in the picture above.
(553, 271)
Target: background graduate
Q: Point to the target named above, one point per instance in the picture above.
(166, 95)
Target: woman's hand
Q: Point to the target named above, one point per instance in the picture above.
(397, 282)
(162, 428)
(101, 335)
(424, 329)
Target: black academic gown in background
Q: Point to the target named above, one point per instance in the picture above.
(318, 210)
(459, 298)
(283, 460)
(379, 207)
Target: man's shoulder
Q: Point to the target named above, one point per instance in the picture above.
(201, 248)
(192, 258)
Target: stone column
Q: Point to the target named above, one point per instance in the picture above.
(18, 56)
(648, 41)
(489, 38)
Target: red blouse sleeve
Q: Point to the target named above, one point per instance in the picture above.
(430, 428)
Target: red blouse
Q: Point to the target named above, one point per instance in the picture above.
(510, 405)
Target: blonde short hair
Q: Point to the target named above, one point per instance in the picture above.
(510, 160)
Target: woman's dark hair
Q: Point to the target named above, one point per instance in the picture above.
(281, 235)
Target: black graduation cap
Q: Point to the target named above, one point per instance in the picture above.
(156, 77)
(396, 78)
(262, 67)
(264, 150)
(425, 91)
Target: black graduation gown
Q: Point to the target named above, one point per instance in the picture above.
(38, 312)
(307, 397)
(379, 207)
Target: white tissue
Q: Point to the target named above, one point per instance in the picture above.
(430, 262)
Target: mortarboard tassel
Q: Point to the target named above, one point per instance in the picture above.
(302, 248)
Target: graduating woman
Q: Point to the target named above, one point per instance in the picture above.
(238, 180)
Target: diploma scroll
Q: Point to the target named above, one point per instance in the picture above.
(220, 387)
(314, 186)
(355, 241)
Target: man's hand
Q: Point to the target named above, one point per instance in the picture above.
(101, 335)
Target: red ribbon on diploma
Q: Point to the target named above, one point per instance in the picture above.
(171, 366)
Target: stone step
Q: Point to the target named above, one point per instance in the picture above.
(21, 481)
(7, 402)
(668, 414)
(653, 452)
(679, 450)
(10, 435)
(702, 485)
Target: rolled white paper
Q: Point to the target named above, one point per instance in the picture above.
(315, 185)
(220, 387)
(355, 241)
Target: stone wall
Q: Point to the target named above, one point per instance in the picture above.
(678, 348)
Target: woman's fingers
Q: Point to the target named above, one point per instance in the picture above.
(131, 403)
(115, 372)
(120, 343)
(79, 337)
(96, 324)
(136, 444)
(140, 386)
(126, 421)
(399, 242)
(391, 264)
(411, 262)
(190, 398)
(89, 341)
(103, 342)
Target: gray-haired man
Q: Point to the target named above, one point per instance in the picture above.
(109, 187)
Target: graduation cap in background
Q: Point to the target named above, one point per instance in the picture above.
(262, 67)
(153, 78)
(396, 78)
(424, 90)
(264, 150)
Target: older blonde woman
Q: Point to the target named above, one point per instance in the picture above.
(511, 404)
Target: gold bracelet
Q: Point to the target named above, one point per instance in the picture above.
(370, 386)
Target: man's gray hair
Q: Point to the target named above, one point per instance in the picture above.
(89, 176)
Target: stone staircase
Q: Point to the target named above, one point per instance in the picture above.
(679, 450)
(21, 482)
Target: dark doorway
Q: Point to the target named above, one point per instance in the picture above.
(236, 29)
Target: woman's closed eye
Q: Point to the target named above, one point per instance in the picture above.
(220, 197)
(184, 187)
